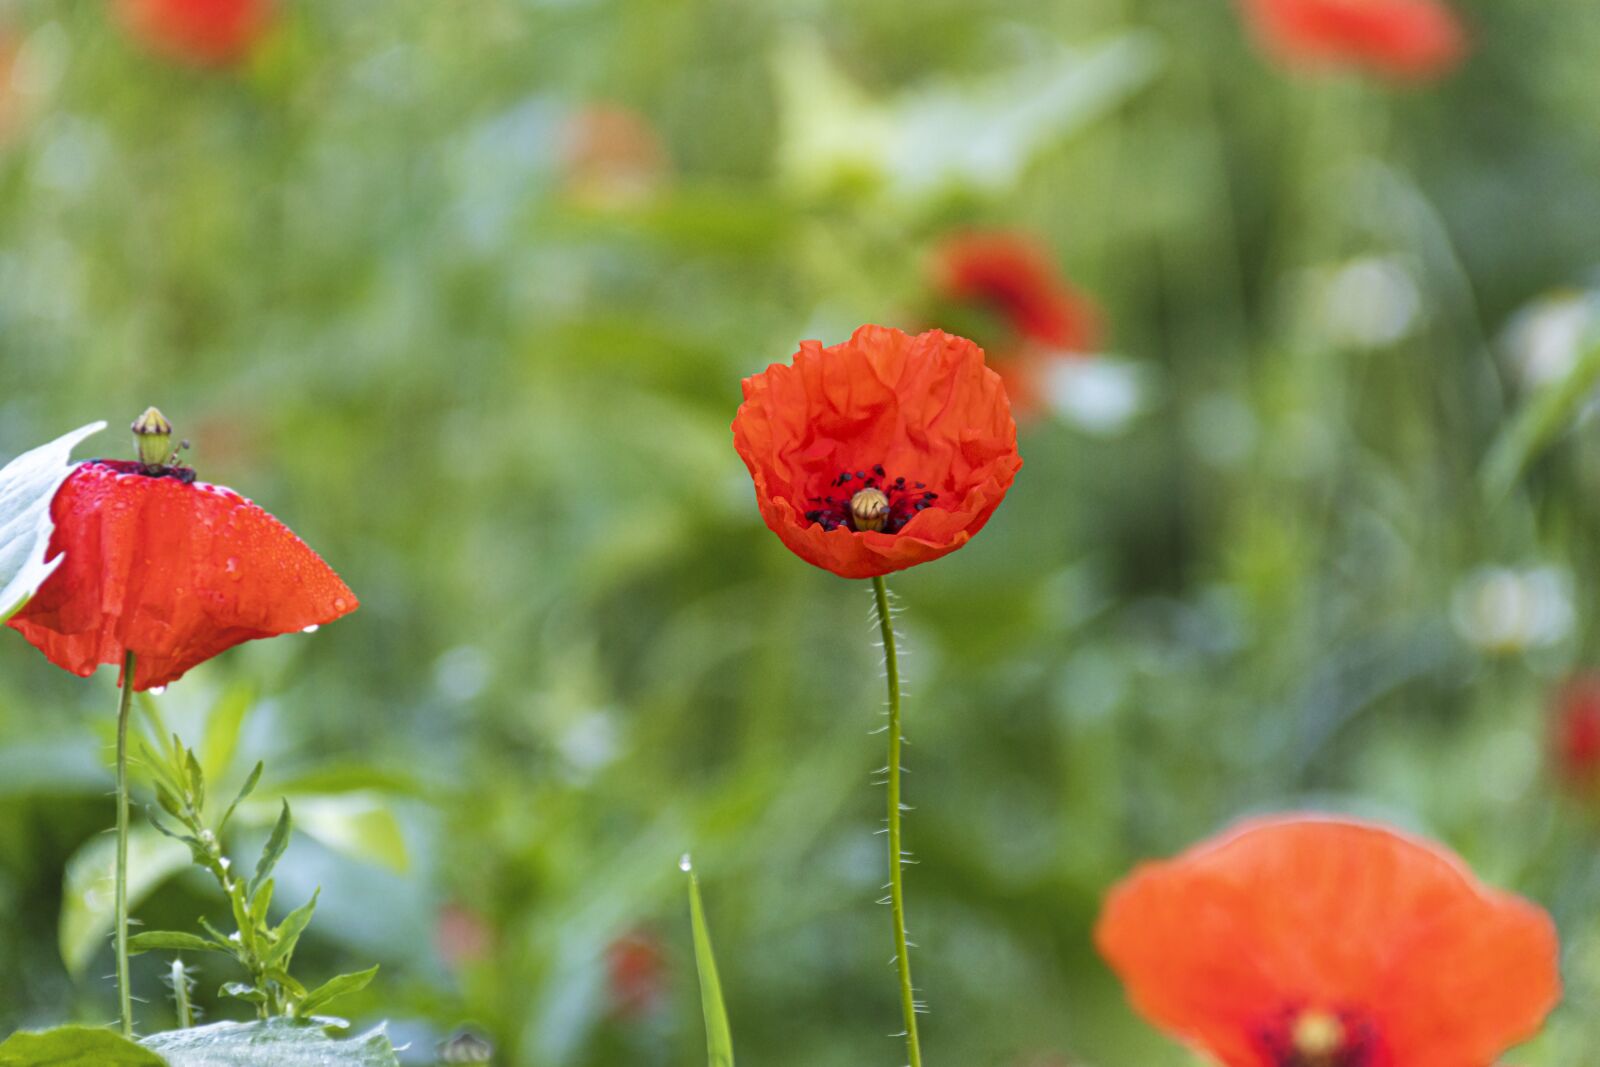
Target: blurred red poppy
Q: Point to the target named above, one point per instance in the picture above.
(1576, 733)
(209, 33)
(1302, 940)
(1011, 276)
(636, 974)
(172, 570)
(1410, 39)
(879, 453)
(611, 157)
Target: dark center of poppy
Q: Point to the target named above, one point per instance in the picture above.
(870, 500)
(1317, 1037)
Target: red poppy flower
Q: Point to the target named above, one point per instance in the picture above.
(635, 974)
(209, 33)
(1011, 276)
(1300, 940)
(1576, 733)
(1398, 38)
(880, 453)
(171, 570)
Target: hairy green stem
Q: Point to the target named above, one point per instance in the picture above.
(124, 991)
(897, 892)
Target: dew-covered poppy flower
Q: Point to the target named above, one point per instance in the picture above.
(1406, 39)
(880, 453)
(1305, 941)
(170, 569)
(1041, 317)
(1575, 734)
(207, 33)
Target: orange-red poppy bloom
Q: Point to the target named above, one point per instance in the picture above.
(170, 569)
(1408, 39)
(1042, 317)
(1304, 941)
(208, 33)
(1575, 733)
(879, 453)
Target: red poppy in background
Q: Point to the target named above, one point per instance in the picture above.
(612, 157)
(1575, 733)
(209, 33)
(172, 570)
(1303, 941)
(1012, 276)
(879, 453)
(636, 974)
(1411, 39)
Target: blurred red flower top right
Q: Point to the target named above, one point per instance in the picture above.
(201, 33)
(1408, 40)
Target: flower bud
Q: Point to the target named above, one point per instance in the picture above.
(152, 433)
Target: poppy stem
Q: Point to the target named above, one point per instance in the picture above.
(897, 892)
(124, 992)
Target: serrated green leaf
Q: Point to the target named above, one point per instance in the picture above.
(27, 486)
(244, 791)
(197, 779)
(273, 852)
(75, 1046)
(88, 904)
(334, 988)
(171, 941)
(719, 1036)
(288, 932)
(274, 1043)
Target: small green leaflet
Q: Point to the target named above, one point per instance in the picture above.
(27, 486)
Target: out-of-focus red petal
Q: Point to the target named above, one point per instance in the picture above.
(923, 406)
(209, 33)
(1308, 912)
(1011, 274)
(173, 572)
(1406, 39)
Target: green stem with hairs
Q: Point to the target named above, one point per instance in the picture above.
(897, 892)
(124, 992)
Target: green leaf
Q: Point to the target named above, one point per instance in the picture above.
(75, 1046)
(719, 1037)
(288, 932)
(171, 941)
(197, 779)
(275, 1043)
(244, 791)
(334, 988)
(27, 486)
(243, 991)
(274, 850)
(356, 824)
(222, 728)
(88, 903)
(260, 903)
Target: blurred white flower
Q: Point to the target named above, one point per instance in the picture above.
(1543, 341)
(1504, 609)
(1369, 302)
(1099, 394)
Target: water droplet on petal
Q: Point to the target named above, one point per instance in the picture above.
(157, 690)
(338, 603)
(313, 628)
(232, 568)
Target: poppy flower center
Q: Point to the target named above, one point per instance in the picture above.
(1312, 1037)
(864, 500)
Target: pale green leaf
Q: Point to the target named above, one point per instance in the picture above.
(275, 1043)
(171, 941)
(333, 989)
(88, 898)
(27, 486)
(356, 824)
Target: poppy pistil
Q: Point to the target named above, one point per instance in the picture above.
(869, 509)
(1318, 1039)
(152, 435)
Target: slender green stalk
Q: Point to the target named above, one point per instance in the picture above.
(180, 994)
(124, 991)
(897, 892)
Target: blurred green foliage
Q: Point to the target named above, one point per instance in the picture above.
(365, 275)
